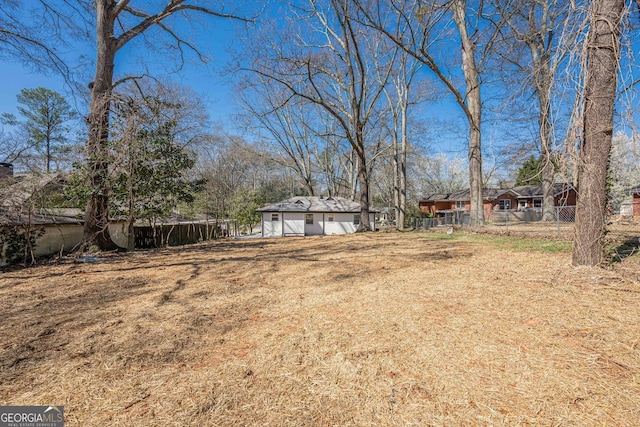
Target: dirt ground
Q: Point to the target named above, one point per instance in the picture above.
(378, 329)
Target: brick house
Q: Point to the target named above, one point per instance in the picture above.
(635, 193)
(521, 198)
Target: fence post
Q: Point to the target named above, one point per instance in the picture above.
(558, 219)
(506, 215)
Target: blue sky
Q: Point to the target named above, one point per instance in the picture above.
(14, 77)
(205, 79)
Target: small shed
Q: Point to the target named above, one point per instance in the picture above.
(304, 216)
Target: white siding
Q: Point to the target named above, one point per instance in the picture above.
(293, 223)
(316, 228)
(271, 228)
(342, 223)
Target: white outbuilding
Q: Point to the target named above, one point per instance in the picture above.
(304, 216)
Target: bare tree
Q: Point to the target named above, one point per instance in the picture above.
(335, 160)
(335, 72)
(131, 22)
(234, 171)
(602, 63)
(441, 174)
(224, 166)
(27, 36)
(624, 169)
(402, 95)
(423, 27)
(285, 126)
(547, 29)
(13, 142)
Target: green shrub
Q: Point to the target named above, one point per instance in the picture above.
(16, 246)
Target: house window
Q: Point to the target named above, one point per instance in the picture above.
(330, 218)
(505, 205)
(356, 219)
(537, 203)
(308, 219)
(274, 217)
(461, 205)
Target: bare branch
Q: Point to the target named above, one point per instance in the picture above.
(171, 8)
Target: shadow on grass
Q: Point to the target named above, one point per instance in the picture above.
(625, 249)
(45, 323)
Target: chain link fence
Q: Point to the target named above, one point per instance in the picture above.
(623, 225)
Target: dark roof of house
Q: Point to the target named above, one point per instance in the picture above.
(18, 190)
(529, 190)
(465, 195)
(536, 190)
(21, 188)
(314, 204)
(522, 191)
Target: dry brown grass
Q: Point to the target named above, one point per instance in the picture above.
(362, 330)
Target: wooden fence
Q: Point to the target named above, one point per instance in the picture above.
(177, 234)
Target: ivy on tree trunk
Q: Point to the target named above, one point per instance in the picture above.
(603, 56)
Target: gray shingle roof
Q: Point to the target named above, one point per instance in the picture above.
(464, 195)
(536, 190)
(15, 194)
(314, 204)
(522, 191)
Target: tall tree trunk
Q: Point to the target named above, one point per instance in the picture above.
(363, 175)
(308, 185)
(543, 79)
(540, 23)
(48, 149)
(131, 220)
(548, 169)
(603, 47)
(396, 178)
(474, 114)
(354, 173)
(96, 225)
(403, 164)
